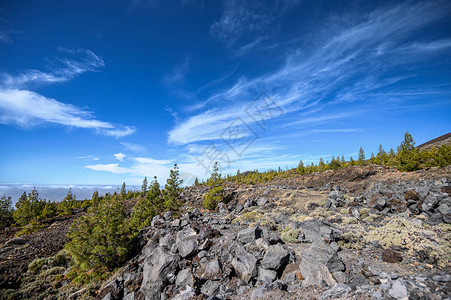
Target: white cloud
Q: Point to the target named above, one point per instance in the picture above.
(24, 108)
(113, 168)
(346, 64)
(146, 160)
(236, 22)
(28, 109)
(133, 147)
(119, 156)
(75, 62)
(89, 157)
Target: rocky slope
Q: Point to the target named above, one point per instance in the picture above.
(358, 233)
(355, 233)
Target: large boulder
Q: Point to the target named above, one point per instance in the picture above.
(187, 248)
(317, 264)
(266, 276)
(275, 257)
(244, 264)
(317, 230)
(249, 235)
(185, 278)
(158, 266)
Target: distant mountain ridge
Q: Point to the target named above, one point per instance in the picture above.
(437, 142)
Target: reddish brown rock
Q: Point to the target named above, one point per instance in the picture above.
(446, 189)
(412, 195)
(391, 256)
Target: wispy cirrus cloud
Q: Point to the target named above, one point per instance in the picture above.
(348, 64)
(22, 107)
(133, 147)
(74, 63)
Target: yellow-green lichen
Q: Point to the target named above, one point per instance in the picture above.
(431, 245)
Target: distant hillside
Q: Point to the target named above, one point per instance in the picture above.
(437, 142)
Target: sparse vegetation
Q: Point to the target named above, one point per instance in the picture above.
(291, 235)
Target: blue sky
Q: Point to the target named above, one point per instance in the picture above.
(101, 92)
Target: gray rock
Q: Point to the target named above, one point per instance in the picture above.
(185, 294)
(213, 270)
(338, 290)
(275, 257)
(210, 288)
(262, 201)
(187, 248)
(290, 277)
(250, 203)
(167, 241)
(244, 264)
(317, 230)
(107, 297)
(149, 247)
(435, 219)
(340, 277)
(444, 209)
(186, 234)
(336, 198)
(156, 269)
(185, 278)
(262, 243)
(259, 292)
(130, 296)
(281, 219)
(167, 216)
(266, 276)
(398, 290)
(249, 235)
(239, 208)
(271, 236)
(355, 212)
(430, 203)
(358, 280)
(317, 264)
(379, 204)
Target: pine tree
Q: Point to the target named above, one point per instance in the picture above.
(196, 181)
(321, 165)
(361, 157)
(101, 238)
(124, 191)
(407, 160)
(215, 177)
(172, 190)
(6, 207)
(381, 155)
(300, 169)
(28, 208)
(216, 192)
(147, 207)
(95, 199)
(144, 186)
(67, 205)
(334, 163)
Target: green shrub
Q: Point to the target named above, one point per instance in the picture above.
(214, 196)
(30, 228)
(36, 265)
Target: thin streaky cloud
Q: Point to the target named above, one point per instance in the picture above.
(305, 82)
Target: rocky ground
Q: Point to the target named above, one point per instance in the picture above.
(16, 253)
(356, 233)
(360, 233)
